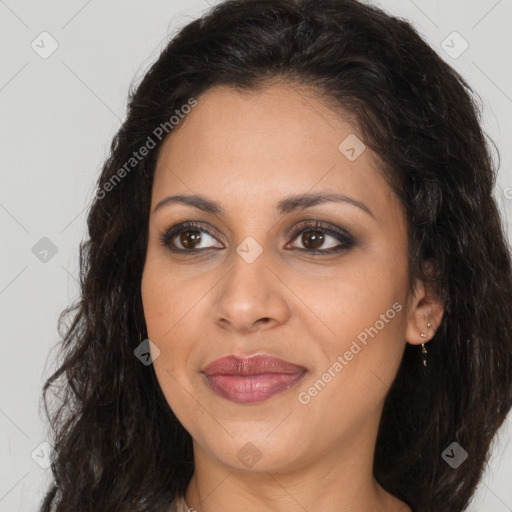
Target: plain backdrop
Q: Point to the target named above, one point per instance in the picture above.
(66, 66)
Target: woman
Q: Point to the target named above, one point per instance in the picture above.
(297, 292)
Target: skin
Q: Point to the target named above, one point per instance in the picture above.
(248, 151)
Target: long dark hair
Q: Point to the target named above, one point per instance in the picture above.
(118, 446)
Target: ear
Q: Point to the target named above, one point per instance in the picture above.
(424, 307)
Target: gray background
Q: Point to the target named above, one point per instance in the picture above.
(59, 114)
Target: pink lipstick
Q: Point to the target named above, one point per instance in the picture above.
(252, 379)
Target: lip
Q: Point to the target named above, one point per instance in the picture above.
(254, 365)
(252, 379)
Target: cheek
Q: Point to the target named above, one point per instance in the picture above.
(365, 312)
(359, 363)
(354, 297)
(175, 310)
(156, 300)
(165, 298)
(165, 309)
(162, 312)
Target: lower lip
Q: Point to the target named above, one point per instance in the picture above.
(252, 388)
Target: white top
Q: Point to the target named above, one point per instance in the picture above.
(180, 505)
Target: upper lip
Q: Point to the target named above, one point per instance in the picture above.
(255, 365)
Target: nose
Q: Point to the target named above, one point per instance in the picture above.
(251, 296)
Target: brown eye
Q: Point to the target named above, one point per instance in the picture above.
(190, 239)
(312, 239)
(319, 238)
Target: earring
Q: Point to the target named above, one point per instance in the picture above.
(423, 348)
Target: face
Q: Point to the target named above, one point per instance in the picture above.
(322, 285)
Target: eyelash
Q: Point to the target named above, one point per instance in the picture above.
(347, 241)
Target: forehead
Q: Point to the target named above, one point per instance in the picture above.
(251, 148)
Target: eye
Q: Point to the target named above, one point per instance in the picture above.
(189, 237)
(315, 235)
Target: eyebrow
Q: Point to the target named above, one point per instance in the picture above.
(284, 206)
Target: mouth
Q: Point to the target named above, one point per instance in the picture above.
(254, 379)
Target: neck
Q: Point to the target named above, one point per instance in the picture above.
(340, 480)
